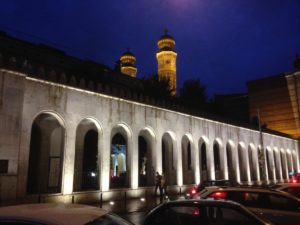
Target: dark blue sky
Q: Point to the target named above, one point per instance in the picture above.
(224, 43)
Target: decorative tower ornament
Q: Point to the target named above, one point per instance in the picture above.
(128, 63)
(166, 60)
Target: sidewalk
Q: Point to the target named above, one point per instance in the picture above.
(133, 205)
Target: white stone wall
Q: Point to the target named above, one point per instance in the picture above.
(24, 98)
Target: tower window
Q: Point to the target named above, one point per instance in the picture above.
(168, 61)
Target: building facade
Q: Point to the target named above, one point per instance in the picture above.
(278, 100)
(62, 136)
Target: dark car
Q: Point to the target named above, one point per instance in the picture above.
(208, 183)
(277, 206)
(291, 188)
(202, 212)
(58, 214)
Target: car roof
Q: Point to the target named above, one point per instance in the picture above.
(60, 214)
(285, 185)
(220, 202)
(248, 189)
(207, 202)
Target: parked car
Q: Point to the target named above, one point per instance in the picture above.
(291, 188)
(57, 214)
(202, 212)
(208, 183)
(279, 207)
(295, 178)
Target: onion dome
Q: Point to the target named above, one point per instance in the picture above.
(128, 61)
(166, 42)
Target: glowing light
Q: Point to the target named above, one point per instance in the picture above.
(111, 203)
(143, 199)
(93, 174)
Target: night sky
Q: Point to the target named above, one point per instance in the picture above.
(224, 43)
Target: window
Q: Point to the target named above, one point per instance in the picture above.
(284, 203)
(3, 166)
(293, 191)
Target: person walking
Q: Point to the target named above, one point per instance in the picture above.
(157, 183)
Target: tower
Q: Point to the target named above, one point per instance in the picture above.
(128, 64)
(166, 60)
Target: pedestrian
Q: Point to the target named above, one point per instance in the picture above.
(163, 184)
(157, 183)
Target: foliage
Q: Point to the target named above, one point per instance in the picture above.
(193, 94)
(157, 88)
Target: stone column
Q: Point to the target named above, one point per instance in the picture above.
(69, 158)
(133, 147)
(178, 151)
(105, 160)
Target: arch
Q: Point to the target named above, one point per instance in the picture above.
(187, 162)
(231, 161)
(242, 161)
(253, 162)
(169, 158)
(294, 159)
(289, 161)
(203, 146)
(120, 152)
(270, 163)
(86, 166)
(283, 164)
(146, 142)
(46, 154)
(277, 166)
(217, 159)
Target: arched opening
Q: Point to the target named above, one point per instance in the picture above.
(294, 157)
(203, 162)
(230, 162)
(269, 164)
(242, 162)
(253, 162)
(216, 150)
(289, 162)
(46, 155)
(187, 166)
(143, 162)
(119, 175)
(277, 164)
(146, 167)
(283, 164)
(86, 173)
(168, 160)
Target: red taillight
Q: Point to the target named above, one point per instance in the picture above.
(194, 191)
(219, 195)
(294, 181)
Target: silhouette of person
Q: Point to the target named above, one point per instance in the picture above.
(157, 183)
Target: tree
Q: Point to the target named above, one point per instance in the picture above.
(193, 94)
(157, 88)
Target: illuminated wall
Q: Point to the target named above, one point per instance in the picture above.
(79, 110)
(278, 100)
